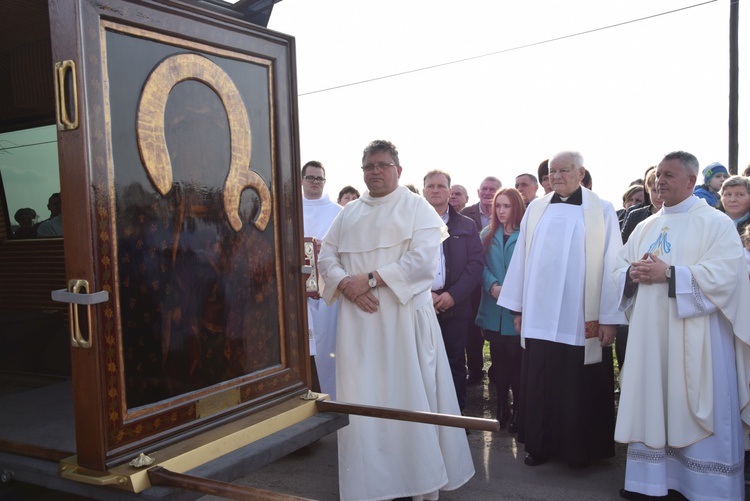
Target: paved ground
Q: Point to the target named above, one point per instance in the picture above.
(312, 472)
(501, 474)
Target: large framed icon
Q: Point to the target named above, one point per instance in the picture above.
(178, 156)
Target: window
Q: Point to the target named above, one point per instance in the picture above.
(30, 173)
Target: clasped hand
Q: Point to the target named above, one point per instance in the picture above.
(606, 333)
(442, 302)
(357, 290)
(649, 270)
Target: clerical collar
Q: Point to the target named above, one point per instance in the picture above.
(681, 207)
(576, 198)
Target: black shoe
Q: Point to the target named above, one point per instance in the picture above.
(637, 496)
(475, 377)
(534, 460)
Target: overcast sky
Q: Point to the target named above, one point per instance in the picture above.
(561, 75)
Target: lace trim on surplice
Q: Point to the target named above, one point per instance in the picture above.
(698, 304)
(655, 456)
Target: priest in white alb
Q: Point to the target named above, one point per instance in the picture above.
(318, 212)
(559, 284)
(379, 260)
(686, 387)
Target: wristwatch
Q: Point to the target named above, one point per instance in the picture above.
(371, 280)
(668, 273)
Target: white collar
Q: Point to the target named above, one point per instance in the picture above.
(681, 207)
(323, 200)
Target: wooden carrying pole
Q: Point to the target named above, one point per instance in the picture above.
(469, 423)
(161, 476)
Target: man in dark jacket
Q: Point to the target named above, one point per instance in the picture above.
(458, 272)
(481, 214)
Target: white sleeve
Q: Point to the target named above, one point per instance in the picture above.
(691, 302)
(414, 272)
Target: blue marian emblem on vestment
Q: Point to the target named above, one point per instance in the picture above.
(661, 246)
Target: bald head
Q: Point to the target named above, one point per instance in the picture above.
(459, 197)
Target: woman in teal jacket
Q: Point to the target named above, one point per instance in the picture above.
(496, 322)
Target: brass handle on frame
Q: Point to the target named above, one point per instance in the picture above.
(77, 294)
(63, 112)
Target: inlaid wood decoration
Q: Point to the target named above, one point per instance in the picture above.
(194, 192)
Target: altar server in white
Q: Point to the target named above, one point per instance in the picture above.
(686, 386)
(378, 260)
(319, 212)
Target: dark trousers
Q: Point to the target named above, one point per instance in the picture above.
(621, 343)
(505, 371)
(454, 332)
(475, 351)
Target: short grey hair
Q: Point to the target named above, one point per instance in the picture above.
(736, 181)
(575, 157)
(688, 161)
(531, 177)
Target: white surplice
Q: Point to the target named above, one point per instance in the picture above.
(547, 285)
(687, 380)
(394, 357)
(318, 216)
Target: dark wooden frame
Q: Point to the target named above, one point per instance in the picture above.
(107, 432)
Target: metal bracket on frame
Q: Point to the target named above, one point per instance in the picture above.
(77, 293)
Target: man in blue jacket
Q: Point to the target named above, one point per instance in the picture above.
(458, 273)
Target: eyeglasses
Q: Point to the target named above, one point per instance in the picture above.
(314, 179)
(379, 166)
(562, 172)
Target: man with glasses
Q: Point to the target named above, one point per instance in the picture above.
(560, 285)
(379, 260)
(318, 212)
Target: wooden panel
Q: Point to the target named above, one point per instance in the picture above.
(86, 364)
(4, 219)
(26, 92)
(29, 271)
(4, 223)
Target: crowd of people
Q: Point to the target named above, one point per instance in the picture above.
(414, 282)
